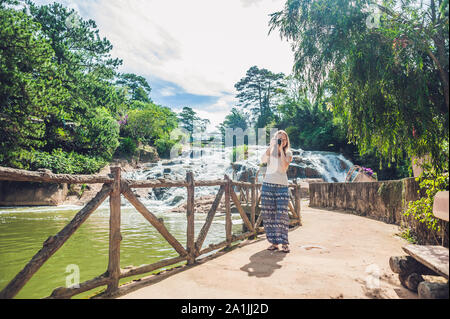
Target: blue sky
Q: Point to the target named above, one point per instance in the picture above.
(191, 52)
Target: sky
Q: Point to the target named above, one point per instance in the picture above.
(191, 52)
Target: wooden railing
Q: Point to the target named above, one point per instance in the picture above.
(113, 186)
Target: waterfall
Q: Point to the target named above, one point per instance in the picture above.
(213, 163)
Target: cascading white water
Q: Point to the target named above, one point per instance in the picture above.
(214, 163)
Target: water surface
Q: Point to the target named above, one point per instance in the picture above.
(23, 230)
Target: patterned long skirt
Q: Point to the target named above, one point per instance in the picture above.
(274, 210)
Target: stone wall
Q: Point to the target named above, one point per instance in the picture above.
(384, 200)
(32, 194)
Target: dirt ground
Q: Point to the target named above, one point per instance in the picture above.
(333, 255)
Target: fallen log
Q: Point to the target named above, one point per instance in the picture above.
(433, 290)
(413, 280)
(406, 265)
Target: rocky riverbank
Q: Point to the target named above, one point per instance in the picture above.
(80, 195)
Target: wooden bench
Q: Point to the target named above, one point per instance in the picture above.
(425, 260)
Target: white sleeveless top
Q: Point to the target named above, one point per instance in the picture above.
(274, 172)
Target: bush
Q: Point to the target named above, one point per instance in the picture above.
(61, 162)
(164, 145)
(422, 209)
(127, 146)
(239, 153)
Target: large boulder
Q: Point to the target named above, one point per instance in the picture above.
(312, 173)
(297, 171)
(159, 192)
(14, 193)
(342, 165)
(147, 154)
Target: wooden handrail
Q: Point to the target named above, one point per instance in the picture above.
(115, 186)
(20, 175)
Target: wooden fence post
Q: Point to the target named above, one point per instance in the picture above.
(190, 232)
(253, 204)
(297, 202)
(114, 233)
(228, 222)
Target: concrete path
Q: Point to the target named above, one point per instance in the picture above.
(333, 255)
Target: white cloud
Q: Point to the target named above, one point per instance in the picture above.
(203, 46)
(167, 91)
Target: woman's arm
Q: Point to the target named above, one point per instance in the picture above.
(285, 160)
(265, 156)
(271, 149)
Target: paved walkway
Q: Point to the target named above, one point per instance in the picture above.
(333, 255)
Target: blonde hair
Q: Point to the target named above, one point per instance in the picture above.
(288, 144)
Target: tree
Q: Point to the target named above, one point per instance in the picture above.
(258, 90)
(235, 119)
(387, 77)
(30, 86)
(137, 87)
(150, 123)
(99, 135)
(191, 122)
(83, 57)
(87, 70)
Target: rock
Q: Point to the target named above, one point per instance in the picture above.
(176, 200)
(32, 193)
(301, 161)
(159, 192)
(314, 180)
(154, 176)
(312, 173)
(237, 166)
(342, 165)
(202, 205)
(293, 171)
(167, 170)
(147, 154)
(171, 162)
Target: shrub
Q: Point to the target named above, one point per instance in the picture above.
(240, 152)
(61, 162)
(127, 146)
(422, 209)
(164, 145)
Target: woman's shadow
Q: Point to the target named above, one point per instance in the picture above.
(263, 263)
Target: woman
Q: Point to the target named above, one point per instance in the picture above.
(275, 193)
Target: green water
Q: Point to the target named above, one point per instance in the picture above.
(23, 230)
